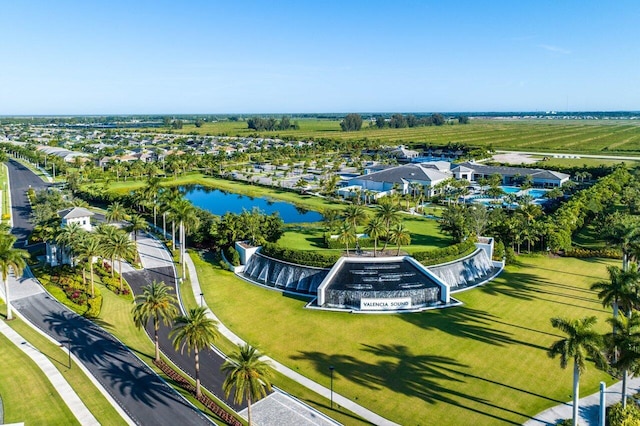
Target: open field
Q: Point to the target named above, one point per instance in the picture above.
(485, 361)
(606, 137)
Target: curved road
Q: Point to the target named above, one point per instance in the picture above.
(158, 266)
(146, 398)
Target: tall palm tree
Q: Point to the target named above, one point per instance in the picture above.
(120, 246)
(11, 259)
(355, 215)
(105, 234)
(400, 236)
(158, 304)
(619, 290)
(137, 223)
(89, 248)
(374, 229)
(116, 212)
(581, 342)
(346, 235)
(186, 215)
(625, 345)
(248, 374)
(388, 212)
(195, 331)
(69, 238)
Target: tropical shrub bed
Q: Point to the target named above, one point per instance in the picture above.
(445, 254)
(66, 285)
(318, 259)
(583, 253)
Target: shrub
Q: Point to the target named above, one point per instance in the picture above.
(445, 254)
(630, 416)
(579, 252)
(318, 259)
(232, 255)
(333, 243)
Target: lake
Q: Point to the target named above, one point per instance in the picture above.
(220, 202)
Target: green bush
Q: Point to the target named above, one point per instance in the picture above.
(232, 255)
(445, 254)
(333, 243)
(317, 259)
(579, 252)
(630, 416)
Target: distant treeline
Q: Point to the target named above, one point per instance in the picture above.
(261, 124)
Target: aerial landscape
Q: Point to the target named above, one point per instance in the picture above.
(338, 213)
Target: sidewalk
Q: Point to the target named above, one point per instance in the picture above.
(68, 395)
(310, 384)
(588, 409)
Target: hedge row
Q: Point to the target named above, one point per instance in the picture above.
(608, 253)
(318, 259)
(333, 243)
(445, 254)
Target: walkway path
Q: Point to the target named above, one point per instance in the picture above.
(588, 409)
(310, 384)
(68, 395)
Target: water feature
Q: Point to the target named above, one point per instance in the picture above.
(283, 275)
(465, 272)
(220, 202)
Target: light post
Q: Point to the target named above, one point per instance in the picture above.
(331, 368)
(603, 407)
(201, 300)
(69, 348)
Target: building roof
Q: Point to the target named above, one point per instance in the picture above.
(74, 213)
(406, 173)
(511, 171)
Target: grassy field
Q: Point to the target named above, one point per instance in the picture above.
(4, 179)
(621, 137)
(485, 361)
(42, 395)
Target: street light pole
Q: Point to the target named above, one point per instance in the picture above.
(201, 300)
(603, 408)
(331, 368)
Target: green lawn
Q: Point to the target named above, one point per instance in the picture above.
(581, 162)
(4, 179)
(607, 137)
(484, 362)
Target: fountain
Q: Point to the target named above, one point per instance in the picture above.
(466, 272)
(283, 275)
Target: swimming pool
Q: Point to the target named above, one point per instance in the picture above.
(537, 193)
(510, 189)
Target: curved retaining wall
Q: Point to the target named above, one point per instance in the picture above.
(283, 275)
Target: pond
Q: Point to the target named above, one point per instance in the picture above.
(220, 202)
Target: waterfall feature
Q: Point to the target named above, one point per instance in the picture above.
(283, 275)
(465, 272)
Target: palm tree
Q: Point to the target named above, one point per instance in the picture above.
(375, 228)
(400, 236)
(388, 212)
(250, 376)
(581, 341)
(625, 345)
(69, 238)
(137, 223)
(346, 235)
(186, 215)
(120, 246)
(105, 234)
(11, 259)
(89, 248)
(619, 290)
(195, 331)
(116, 212)
(158, 304)
(355, 215)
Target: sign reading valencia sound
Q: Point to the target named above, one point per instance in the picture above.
(391, 304)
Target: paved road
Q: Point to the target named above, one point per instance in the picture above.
(138, 390)
(159, 266)
(21, 179)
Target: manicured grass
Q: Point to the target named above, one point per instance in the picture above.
(608, 137)
(4, 179)
(485, 362)
(92, 398)
(581, 162)
(33, 401)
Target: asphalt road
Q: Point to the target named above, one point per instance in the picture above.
(138, 390)
(210, 362)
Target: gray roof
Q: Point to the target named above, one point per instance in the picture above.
(401, 174)
(511, 171)
(74, 213)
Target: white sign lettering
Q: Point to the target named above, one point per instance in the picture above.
(385, 304)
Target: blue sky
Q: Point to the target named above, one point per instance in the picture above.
(85, 57)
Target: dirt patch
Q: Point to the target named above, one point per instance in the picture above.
(515, 158)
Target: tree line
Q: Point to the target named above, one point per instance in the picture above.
(270, 124)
